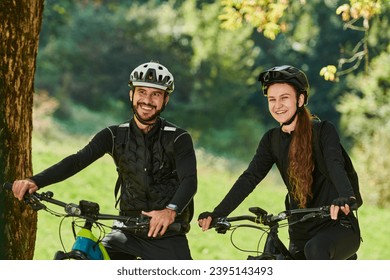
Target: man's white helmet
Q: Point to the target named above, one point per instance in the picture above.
(152, 74)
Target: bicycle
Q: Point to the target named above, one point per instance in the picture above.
(86, 245)
(274, 248)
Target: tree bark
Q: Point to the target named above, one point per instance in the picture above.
(19, 30)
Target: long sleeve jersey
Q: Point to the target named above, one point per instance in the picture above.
(324, 190)
(103, 143)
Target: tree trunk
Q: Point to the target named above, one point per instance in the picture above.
(19, 29)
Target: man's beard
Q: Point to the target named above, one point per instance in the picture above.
(147, 121)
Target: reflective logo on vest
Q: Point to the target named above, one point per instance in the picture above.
(169, 128)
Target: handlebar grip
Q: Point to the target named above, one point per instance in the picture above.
(7, 186)
(354, 206)
(175, 227)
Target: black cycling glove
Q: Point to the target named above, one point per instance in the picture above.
(341, 201)
(206, 214)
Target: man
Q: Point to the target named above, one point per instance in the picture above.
(156, 165)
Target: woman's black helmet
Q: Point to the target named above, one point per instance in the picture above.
(285, 74)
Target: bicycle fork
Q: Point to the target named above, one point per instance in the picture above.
(274, 247)
(86, 246)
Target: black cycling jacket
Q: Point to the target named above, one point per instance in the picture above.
(103, 143)
(324, 190)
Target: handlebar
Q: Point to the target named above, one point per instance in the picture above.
(223, 224)
(88, 210)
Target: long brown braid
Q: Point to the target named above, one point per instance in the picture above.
(301, 163)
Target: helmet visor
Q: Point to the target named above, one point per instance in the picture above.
(277, 74)
(284, 74)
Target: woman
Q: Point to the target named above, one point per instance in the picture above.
(336, 237)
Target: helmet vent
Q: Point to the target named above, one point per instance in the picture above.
(153, 75)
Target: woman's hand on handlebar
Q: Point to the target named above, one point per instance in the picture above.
(342, 203)
(204, 220)
(21, 187)
(205, 223)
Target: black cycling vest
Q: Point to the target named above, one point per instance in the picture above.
(146, 166)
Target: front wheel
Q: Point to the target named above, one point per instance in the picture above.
(72, 255)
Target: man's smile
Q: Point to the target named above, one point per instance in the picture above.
(146, 107)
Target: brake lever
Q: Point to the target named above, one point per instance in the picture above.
(309, 216)
(322, 214)
(34, 202)
(222, 226)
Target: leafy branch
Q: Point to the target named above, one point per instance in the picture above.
(351, 13)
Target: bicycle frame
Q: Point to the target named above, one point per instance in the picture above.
(274, 248)
(88, 244)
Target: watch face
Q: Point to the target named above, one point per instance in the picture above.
(172, 207)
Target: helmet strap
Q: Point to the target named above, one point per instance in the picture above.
(299, 109)
(164, 102)
(293, 117)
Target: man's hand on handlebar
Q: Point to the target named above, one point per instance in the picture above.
(160, 220)
(21, 187)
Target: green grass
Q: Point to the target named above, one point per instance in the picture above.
(215, 176)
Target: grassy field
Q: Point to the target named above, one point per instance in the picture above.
(215, 176)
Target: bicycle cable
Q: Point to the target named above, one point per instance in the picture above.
(102, 230)
(258, 243)
(60, 235)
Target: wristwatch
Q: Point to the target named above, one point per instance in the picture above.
(172, 207)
